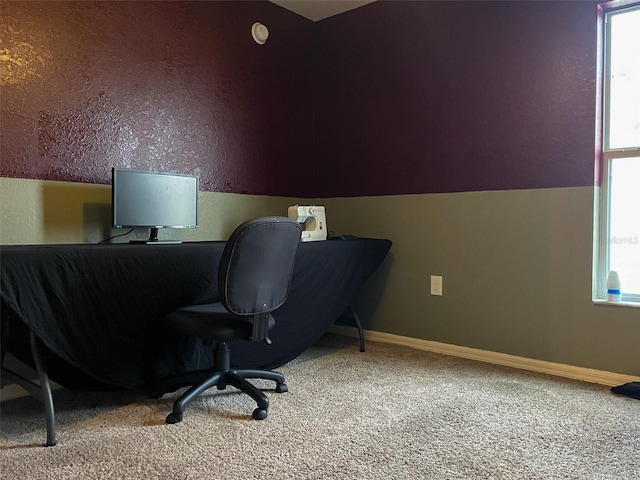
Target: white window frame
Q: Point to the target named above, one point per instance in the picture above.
(606, 155)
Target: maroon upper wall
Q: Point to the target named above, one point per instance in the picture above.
(410, 97)
(171, 86)
(422, 97)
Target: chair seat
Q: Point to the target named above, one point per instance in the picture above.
(211, 321)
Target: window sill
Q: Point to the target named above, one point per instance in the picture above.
(600, 302)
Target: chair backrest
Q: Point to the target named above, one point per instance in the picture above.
(257, 265)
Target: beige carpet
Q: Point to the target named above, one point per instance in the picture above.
(390, 413)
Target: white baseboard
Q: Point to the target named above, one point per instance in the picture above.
(601, 377)
(10, 390)
(13, 391)
(558, 369)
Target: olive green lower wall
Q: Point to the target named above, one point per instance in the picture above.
(39, 212)
(516, 268)
(516, 265)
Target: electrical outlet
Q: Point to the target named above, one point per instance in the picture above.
(436, 285)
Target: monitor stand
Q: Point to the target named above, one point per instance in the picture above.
(153, 239)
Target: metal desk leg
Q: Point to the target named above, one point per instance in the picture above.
(47, 397)
(358, 325)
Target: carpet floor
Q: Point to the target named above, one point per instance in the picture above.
(390, 413)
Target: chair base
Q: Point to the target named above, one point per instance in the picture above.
(203, 380)
(220, 376)
(235, 378)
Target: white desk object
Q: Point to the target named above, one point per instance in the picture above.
(313, 220)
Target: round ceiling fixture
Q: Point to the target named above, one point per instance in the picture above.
(260, 33)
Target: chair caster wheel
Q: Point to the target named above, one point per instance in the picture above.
(174, 418)
(281, 388)
(259, 413)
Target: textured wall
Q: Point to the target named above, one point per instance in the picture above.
(411, 97)
(424, 97)
(171, 86)
(516, 268)
(415, 96)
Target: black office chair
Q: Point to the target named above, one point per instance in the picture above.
(253, 280)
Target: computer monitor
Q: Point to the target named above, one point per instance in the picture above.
(154, 200)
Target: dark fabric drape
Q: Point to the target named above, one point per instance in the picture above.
(96, 307)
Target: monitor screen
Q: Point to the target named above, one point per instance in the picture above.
(154, 200)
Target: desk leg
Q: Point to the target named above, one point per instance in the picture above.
(358, 325)
(47, 397)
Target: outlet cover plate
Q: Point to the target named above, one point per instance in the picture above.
(436, 285)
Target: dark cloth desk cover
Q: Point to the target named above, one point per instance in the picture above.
(96, 307)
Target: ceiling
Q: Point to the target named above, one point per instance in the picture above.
(319, 9)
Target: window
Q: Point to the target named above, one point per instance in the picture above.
(619, 215)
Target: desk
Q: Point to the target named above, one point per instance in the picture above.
(95, 307)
